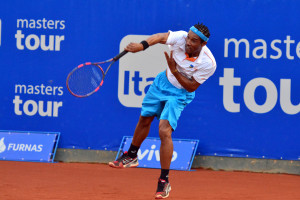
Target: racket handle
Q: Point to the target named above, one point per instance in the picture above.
(120, 55)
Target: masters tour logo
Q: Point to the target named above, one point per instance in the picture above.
(2, 145)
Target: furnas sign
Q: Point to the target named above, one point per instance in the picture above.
(28, 146)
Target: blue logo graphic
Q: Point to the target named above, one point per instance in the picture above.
(2, 145)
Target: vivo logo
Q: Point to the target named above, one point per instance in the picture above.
(153, 153)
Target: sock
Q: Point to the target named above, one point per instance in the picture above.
(132, 152)
(164, 174)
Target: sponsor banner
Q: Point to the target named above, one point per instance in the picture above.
(28, 146)
(149, 153)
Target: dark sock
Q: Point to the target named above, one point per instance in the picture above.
(164, 174)
(132, 152)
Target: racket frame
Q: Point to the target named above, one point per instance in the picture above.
(97, 64)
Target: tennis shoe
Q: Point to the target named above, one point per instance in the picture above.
(163, 189)
(124, 162)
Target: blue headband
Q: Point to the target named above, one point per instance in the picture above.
(201, 35)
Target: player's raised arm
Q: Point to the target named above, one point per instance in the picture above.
(152, 40)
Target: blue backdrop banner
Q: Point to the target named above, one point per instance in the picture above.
(250, 107)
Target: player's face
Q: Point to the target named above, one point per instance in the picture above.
(193, 43)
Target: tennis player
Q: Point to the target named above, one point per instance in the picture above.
(190, 64)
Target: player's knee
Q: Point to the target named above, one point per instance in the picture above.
(165, 135)
(165, 131)
(145, 121)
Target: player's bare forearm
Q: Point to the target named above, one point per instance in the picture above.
(189, 84)
(158, 38)
(152, 40)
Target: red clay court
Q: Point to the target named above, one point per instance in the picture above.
(83, 181)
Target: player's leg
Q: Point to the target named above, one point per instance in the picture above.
(141, 132)
(129, 158)
(168, 123)
(151, 107)
(166, 147)
(166, 153)
(142, 129)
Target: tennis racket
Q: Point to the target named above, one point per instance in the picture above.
(86, 79)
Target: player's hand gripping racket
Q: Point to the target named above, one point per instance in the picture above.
(87, 78)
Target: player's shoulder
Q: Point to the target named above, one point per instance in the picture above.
(208, 57)
(178, 33)
(176, 37)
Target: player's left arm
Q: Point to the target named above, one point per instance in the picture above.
(189, 84)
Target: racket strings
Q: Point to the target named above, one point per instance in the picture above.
(85, 80)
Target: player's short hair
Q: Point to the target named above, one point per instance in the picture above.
(201, 27)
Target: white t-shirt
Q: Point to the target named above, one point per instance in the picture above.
(201, 69)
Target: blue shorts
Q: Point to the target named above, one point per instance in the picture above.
(165, 101)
